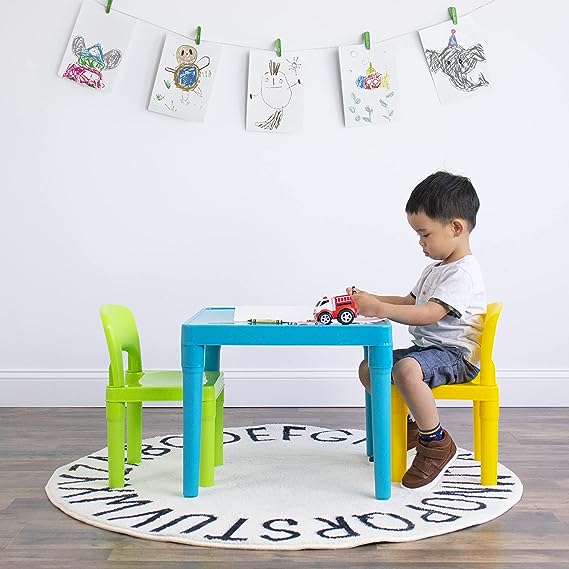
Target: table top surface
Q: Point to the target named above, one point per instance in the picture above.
(215, 326)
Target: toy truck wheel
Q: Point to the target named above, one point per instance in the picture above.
(346, 316)
(324, 318)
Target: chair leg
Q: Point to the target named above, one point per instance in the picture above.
(398, 435)
(115, 443)
(134, 433)
(489, 419)
(476, 430)
(207, 451)
(369, 430)
(218, 461)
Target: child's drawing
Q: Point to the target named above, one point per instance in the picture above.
(276, 97)
(369, 89)
(456, 60)
(96, 47)
(187, 74)
(184, 79)
(91, 61)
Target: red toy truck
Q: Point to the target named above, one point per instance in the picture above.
(342, 308)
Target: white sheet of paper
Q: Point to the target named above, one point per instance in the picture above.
(284, 313)
(368, 319)
(185, 78)
(369, 89)
(456, 59)
(275, 96)
(287, 314)
(97, 47)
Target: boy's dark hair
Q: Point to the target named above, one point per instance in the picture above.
(443, 196)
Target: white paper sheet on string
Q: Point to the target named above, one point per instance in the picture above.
(456, 59)
(369, 89)
(275, 97)
(184, 79)
(97, 47)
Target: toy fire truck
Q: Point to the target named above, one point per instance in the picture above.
(342, 308)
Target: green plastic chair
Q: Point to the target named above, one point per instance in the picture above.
(127, 390)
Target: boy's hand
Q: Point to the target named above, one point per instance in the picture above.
(368, 305)
(353, 290)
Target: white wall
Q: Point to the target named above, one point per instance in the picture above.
(93, 209)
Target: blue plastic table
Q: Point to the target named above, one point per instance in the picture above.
(205, 333)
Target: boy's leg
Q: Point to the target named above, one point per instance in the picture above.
(412, 429)
(408, 377)
(434, 454)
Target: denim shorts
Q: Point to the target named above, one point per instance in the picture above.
(441, 365)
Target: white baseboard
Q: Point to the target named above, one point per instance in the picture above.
(266, 388)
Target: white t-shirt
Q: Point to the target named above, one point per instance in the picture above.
(458, 286)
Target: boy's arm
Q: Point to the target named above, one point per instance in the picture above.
(399, 300)
(415, 315)
(409, 299)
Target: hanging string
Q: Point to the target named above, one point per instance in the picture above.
(227, 44)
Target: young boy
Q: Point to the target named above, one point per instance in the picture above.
(444, 312)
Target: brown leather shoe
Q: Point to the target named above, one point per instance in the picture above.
(412, 436)
(430, 463)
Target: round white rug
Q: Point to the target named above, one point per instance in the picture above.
(281, 487)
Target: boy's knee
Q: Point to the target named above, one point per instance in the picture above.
(406, 371)
(363, 372)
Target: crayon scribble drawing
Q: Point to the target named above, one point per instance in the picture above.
(91, 61)
(456, 59)
(96, 47)
(369, 89)
(275, 101)
(184, 79)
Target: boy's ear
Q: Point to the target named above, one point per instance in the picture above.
(459, 226)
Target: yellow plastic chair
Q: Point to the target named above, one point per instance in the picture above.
(127, 390)
(484, 393)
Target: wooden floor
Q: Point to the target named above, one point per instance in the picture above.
(33, 533)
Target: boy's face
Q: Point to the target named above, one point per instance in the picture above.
(438, 240)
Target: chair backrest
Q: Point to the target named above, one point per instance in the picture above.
(487, 367)
(122, 336)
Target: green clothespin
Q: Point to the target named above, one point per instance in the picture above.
(198, 35)
(452, 13)
(278, 47)
(366, 39)
(108, 7)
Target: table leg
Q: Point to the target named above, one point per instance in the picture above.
(369, 432)
(212, 358)
(380, 363)
(192, 368)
